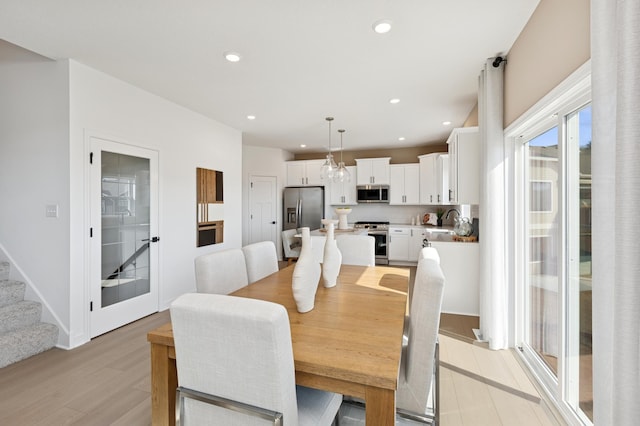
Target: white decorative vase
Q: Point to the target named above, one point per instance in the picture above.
(342, 218)
(306, 276)
(332, 258)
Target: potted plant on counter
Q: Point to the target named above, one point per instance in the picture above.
(439, 214)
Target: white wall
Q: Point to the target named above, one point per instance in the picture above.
(262, 161)
(34, 172)
(185, 140)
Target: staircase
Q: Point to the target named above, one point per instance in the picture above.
(22, 334)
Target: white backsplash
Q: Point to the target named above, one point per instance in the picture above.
(402, 214)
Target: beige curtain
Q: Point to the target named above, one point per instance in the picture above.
(615, 58)
(493, 273)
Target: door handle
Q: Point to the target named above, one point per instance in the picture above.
(273, 222)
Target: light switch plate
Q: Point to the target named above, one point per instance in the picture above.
(51, 210)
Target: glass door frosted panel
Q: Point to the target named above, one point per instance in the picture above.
(125, 199)
(543, 234)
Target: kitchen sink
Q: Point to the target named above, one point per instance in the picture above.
(439, 234)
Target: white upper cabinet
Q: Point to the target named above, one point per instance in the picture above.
(373, 171)
(304, 172)
(344, 193)
(434, 178)
(404, 184)
(464, 166)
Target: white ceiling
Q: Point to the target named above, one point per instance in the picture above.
(302, 60)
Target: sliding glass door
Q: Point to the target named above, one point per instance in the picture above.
(555, 260)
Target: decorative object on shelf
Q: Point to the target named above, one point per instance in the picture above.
(329, 167)
(332, 258)
(342, 217)
(341, 174)
(439, 214)
(210, 207)
(463, 227)
(306, 275)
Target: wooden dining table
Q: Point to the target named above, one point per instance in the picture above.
(350, 343)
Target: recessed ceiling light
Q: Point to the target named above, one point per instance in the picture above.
(401, 138)
(232, 56)
(446, 123)
(251, 117)
(302, 145)
(394, 101)
(382, 26)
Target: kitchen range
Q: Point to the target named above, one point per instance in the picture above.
(379, 231)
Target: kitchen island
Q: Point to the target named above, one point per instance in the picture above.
(460, 263)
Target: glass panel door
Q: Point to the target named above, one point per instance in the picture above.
(543, 239)
(123, 240)
(556, 260)
(125, 227)
(579, 391)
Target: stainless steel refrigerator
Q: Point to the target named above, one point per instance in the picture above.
(303, 207)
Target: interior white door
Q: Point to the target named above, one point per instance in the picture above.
(124, 234)
(263, 209)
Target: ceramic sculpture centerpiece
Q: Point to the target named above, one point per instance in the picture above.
(306, 275)
(332, 258)
(342, 213)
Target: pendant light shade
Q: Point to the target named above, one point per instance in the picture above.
(329, 167)
(341, 174)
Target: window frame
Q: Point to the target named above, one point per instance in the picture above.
(568, 97)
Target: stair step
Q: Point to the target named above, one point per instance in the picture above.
(19, 315)
(26, 342)
(4, 271)
(11, 291)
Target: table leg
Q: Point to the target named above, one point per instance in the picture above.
(380, 406)
(164, 381)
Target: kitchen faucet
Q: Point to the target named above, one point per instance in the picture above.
(451, 211)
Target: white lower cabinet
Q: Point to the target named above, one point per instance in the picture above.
(460, 263)
(405, 243)
(415, 243)
(399, 238)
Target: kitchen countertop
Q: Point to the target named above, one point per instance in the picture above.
(435, 233)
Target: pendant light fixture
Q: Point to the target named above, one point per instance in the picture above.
(329, 167)
(341, 174)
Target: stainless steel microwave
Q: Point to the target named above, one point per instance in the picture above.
(373, 194)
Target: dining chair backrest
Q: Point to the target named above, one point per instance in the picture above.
(221, 272)
(240, 349)
(429, 253)
(357, 249)
(317, 247)
(418, 358)
(261, 260)
(290, 244)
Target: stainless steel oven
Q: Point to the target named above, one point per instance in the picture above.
(379, 231)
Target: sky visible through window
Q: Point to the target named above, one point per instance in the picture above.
(550, 137)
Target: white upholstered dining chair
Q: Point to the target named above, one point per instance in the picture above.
(261, 259)
(419, 370)
(221, 272)
(234, 360)
(357, 249)
(291, 245)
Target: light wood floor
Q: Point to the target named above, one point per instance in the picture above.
(106, 382)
